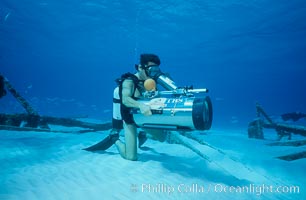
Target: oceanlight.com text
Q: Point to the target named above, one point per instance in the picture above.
(257, 189)
(214, 188)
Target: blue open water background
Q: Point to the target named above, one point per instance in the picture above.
(63, 56)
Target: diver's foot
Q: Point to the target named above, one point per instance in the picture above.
(142, 138)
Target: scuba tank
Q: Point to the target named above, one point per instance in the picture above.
(117, 118)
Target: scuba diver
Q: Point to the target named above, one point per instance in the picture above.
(294, 116)
(130, 88)
(2, 85)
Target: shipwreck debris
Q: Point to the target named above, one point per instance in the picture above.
(32, 121)
(255, 128)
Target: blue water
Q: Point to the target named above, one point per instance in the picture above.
(63, 56)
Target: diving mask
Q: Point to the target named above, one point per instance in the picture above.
(153, 71)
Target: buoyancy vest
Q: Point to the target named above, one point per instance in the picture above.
(118, 107)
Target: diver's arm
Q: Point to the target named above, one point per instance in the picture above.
(128, 101)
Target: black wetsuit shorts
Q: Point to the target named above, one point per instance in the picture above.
(126, 115)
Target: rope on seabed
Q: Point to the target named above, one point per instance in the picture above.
(179, 139)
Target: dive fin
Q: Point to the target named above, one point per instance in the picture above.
(104, 144)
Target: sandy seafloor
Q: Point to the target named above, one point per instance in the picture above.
(52, 165)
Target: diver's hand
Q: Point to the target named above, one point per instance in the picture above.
(145, 109)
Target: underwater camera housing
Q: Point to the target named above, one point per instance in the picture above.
(178, 109)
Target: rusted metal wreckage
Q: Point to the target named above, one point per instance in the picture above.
(32, 121)
(255, 130)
